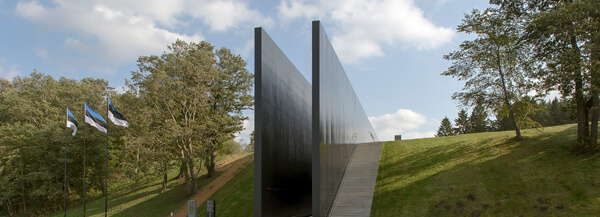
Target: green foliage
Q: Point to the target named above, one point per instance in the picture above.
(32, 145)
(231, 147)
(495, 65)
(445, 128)
(462, 123)
(566, 36)
(478, 121)
(250, 147)
(192, 100)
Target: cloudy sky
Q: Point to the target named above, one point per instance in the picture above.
(391, 49)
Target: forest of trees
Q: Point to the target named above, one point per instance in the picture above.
(183, 107)
(545, 114)
(525, 47)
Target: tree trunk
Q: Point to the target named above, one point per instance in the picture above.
(210, 164)
(187, 181)
(511, 115)
(137, 160)
(582, 124)
(165, 180)
(192, 184)
(594, 124)
(8, 208)
(595, 72)
(183, 167)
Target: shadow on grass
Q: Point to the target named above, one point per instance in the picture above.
(490, 177)
(161, 204)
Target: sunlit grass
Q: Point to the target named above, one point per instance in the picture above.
(488, 174)
(142, 197)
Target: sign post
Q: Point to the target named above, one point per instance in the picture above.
(210, 208)
(191, 208)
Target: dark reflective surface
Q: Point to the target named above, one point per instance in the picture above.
(282, 155)
(339, 121)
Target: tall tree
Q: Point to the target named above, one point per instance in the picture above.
(196, 95)
(462, 123)
(566, 36)
(174, 86)
(445, 128)
(228, 97)
(494, 64)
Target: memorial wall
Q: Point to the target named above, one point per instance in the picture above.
(338, 122)
(282, 154)
(304, 136)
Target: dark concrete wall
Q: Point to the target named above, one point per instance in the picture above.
(338, 121)
(282, 155)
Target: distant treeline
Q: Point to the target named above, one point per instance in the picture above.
(543, 114)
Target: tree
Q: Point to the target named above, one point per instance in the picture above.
(196, 95)
(462, 123)
(32, 117)
(227, 98)
(494, 65)
(479, 121)
(566, 36)
(445, 128)
(250, 147)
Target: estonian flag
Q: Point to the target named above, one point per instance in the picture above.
(115, 116)
(71, 121)
(93, 118)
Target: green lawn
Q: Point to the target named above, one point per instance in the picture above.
(139, 197)
(488, 174)
(485, 174)
(236, 198)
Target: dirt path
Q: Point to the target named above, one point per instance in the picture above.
(230, 166)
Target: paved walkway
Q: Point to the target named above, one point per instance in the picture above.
(356, 194)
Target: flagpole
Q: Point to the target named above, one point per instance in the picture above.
(66, 130)
(106, 181)
(84, 114)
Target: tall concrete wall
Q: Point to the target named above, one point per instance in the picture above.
(338, 121)
(304, 135)
(282, 155)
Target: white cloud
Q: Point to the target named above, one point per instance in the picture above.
(403, 122)
(106, 34)
(362, 27)
(226, 14)
(10, 72)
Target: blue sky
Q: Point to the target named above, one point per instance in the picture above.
(391, 49)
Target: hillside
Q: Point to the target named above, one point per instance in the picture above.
(488, 174)
(485, 174)
(144, 197)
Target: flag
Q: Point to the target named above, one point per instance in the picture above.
(115, 116)
(71, 121)
(93, 118)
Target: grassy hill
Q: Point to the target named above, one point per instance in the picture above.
(488, 174)
(484, 174)
(144, 197)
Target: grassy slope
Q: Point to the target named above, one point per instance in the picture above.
(236, 198)
(143, 198)
(488, 174)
